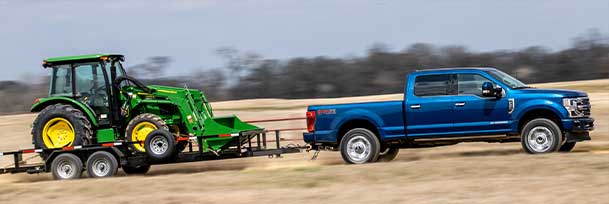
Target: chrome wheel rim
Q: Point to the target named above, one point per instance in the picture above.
(159, 145)
(358, 149)
(66, 169)
(540, 139)
(101, 167)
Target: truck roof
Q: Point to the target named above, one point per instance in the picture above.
(73, 58)
(456, 68)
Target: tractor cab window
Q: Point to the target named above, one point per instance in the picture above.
(91, 88)
(61, 81)
(119, 71)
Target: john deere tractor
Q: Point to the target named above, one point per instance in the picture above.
(93, 101)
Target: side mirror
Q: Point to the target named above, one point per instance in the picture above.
(488, 90)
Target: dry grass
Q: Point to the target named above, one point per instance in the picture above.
(464, 173)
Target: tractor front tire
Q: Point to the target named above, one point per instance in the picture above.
(61, 125)
(140, 127)
(161, 145)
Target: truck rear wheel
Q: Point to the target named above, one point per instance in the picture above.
(66, 166)
(388, 155)
(102, 164)
(541, 136)
(61, 125)
(359, 146)
(140, 127)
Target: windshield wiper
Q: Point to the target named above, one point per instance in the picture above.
(522, 87)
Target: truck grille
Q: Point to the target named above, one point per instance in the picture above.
(584, 106)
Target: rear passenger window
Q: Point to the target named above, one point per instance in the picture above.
(432, 85)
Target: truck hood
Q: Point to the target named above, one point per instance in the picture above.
(563, 92)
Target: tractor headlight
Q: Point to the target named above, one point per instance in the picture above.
(577, 107)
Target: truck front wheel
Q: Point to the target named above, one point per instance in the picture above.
(541, 136)
(359, 146)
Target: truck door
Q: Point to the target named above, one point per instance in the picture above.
(429, 105)
(475, 114)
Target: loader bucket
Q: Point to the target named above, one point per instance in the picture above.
(227, 125)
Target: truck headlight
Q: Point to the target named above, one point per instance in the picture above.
(577, 107)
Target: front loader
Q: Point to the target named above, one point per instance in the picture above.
(92, 101)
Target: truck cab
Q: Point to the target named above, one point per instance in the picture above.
(452, 105)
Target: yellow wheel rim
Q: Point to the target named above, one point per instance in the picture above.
(140, 132)
(57, 133)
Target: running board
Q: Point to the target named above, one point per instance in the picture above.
(470, 138)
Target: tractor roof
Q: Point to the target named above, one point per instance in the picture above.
(76, 58)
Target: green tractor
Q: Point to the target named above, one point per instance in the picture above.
(93, 101)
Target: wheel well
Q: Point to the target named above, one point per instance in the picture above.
(359, 123)
(539, 113)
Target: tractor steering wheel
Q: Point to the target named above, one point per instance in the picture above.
(137, 83)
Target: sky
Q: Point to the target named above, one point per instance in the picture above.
(191, 31)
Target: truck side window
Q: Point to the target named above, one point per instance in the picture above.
(471, 84)
(432, 85)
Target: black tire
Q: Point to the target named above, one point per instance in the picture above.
(102, 164)
(160, 145)
(135, 170)
(66, 166)
(81, 125)
(567, 147)
(388, 155)
(145, 117)
(356, 143)
(541, 136)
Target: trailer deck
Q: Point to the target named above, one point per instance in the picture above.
(125, 157)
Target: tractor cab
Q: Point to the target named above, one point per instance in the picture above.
(87, 79)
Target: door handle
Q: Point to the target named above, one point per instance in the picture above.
(415, 106)
(460, 104)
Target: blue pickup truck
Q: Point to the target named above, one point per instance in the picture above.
(452, 105)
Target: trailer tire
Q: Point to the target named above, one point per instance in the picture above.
(135, 170)
(360, 146)
(66, 166)
(140, 127)
(102, 164)
(388, 155)
(541, 136)
(160, 145)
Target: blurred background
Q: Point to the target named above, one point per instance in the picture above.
(298, 49)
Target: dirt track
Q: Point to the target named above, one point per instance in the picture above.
(464, 173)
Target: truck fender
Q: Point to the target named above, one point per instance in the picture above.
(357, 114)
(538, 104)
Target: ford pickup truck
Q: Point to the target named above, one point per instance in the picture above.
(452, 105)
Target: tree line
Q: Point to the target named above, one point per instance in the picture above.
(379, 71)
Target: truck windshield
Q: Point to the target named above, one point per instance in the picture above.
(507, 79)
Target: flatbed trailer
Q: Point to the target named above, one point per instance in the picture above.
(103, 160)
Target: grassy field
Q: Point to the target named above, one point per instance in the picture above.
(464, 173)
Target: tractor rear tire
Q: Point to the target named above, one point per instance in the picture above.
(140, 127)
(161, 145)
(67, 125)
(135, 170)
